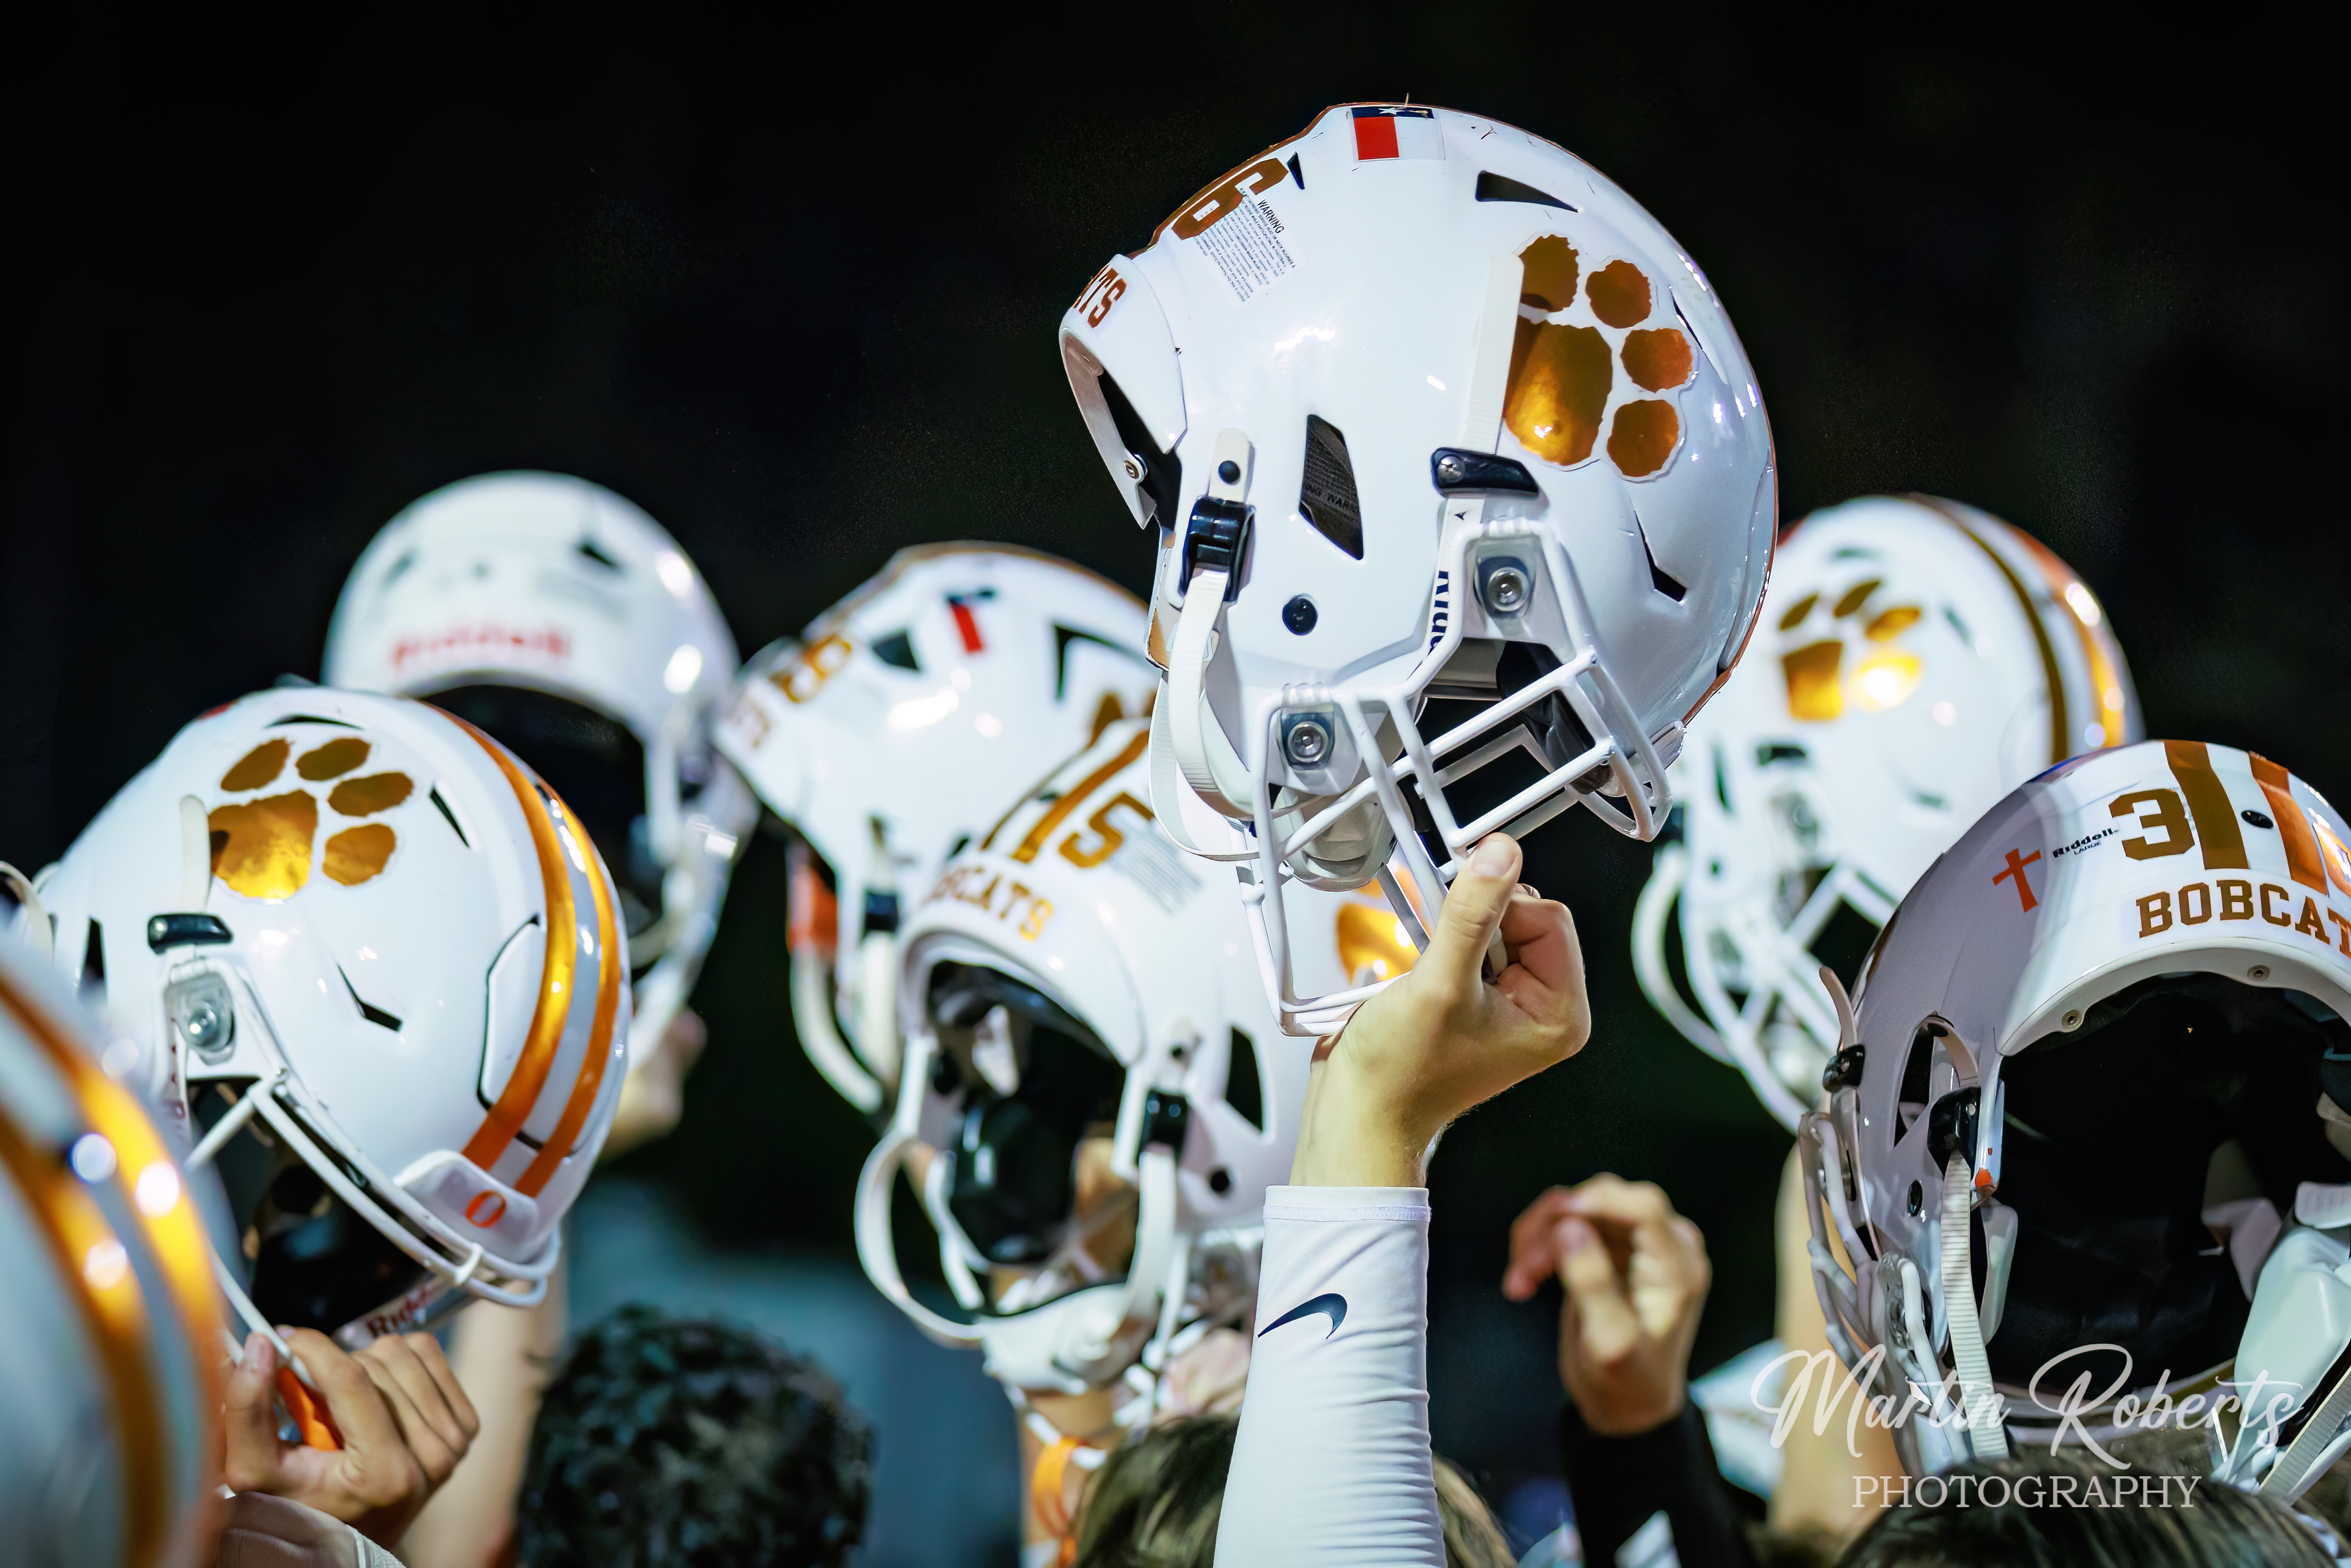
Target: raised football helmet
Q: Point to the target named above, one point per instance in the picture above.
(386, 972)
(1090, 1056)
(565, 622)
(1464, 497)
(888, 733)
(1918, 659)
(112, 1382)
(2099, 1073)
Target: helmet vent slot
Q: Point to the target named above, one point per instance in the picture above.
(1659, 577)
(592, 551)
(449, 816)
(368, 1011)
(1493, 187)
(93, 965)
(1245, 1082)
(1327, 497)
(897, 651)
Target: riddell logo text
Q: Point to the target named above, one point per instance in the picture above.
(2239, 898)
(457, 643)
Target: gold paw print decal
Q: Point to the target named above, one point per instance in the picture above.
(263, 848)
(1882, 677)
(1575, 332)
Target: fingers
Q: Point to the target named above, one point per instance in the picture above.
(1641, 1214)
(1473, 908)
(1605, 1321)
(1545, 978)
(249, 1459)
(359, 1411)
(1534, 1244)
(435, 1419)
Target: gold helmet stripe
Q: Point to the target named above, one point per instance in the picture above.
(2060, 727)
(520, 1096)
(2301, 844)
(2216, 833)
(590, 1078)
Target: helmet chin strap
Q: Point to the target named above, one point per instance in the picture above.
(1985, 1435)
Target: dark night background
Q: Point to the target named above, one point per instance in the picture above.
(794, 293)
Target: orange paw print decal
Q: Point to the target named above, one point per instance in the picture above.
(264, 848)
(1591, 347)
(1882, 677)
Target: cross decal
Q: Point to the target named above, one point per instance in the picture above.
(2016, 865)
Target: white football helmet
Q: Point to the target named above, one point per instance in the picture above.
(562, 620)
(1920, 659)
(1090, 1053)
(112, 1382)
(888, 735)
(1464, 497)
(2140, 962)
(387, 979)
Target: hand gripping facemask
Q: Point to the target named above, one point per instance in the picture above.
(387, 973)
(890, 733)
(1464, 491)
(565, 622)
(2087, 1132)
(1916, 660)
(112, 1382)
(1095, 1098)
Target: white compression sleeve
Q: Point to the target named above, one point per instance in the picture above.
(1332, 1466)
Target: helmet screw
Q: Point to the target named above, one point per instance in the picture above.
(1504, 586)
(202, 1026)
(2071, 1020)
(1307, 742)
(1451, 469)
(2258, 972)
(1299, 615)
(1229, 472)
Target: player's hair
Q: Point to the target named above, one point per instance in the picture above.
(1155, 1501)
(2226, 1528)
(666, 1441)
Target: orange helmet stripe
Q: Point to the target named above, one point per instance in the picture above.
(590, 1078)
(116, 1320)
(520, 1096)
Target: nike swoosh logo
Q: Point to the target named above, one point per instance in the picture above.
(1331, 1305)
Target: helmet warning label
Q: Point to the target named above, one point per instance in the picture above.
(1249, 247)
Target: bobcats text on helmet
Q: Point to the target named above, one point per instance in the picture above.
(566, 623)
(1464, 489)
(892, 731)
(1091, 1060)
(2100, 1063)
(112, 1377)
(1916, 660)
(387, 972)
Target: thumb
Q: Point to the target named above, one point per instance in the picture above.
(249, 1418)
(1474, 907)
(1596, 1293)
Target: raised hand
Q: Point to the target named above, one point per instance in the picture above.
(1637, 1277)
(1443, 1039)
